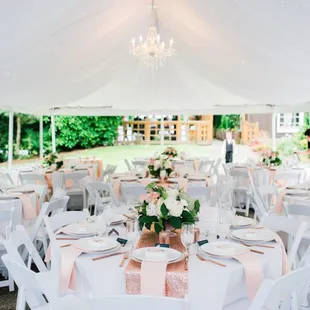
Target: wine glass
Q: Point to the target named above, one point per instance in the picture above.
(187, 236)
(133, 231)
(101, 223)
(108, 214)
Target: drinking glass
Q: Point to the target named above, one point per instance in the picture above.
(223, 230)
(101, 223)
(108, 214)
(187, 236)
(133, 231)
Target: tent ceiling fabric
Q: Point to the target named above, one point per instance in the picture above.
(231, 57)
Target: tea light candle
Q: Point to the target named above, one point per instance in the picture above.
(196, 234)
(164, 237)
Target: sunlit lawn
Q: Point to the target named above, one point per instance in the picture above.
(115, 155)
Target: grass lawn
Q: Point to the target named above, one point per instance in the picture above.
(115, 155)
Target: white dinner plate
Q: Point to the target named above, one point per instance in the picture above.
(117, 219)
(80, 229)
(253, 235)
(240, 221)
(301, 193)
(223, 249)
(150, 254)
(128, 178)
(96, 244)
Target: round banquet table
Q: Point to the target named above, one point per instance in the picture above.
(209, 286)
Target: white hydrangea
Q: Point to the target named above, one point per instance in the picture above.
(173, 193)
(151, 209)
(157, 164)
(173, 206)
(163, 173)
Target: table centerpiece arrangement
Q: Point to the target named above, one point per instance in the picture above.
(271, 159)
(52, 161)
(166, 208)
(160, 167)
(171, 152)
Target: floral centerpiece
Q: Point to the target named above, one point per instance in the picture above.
(160, 167)
(170, 152)
(164, 207)
(52, 159)
(271, 159)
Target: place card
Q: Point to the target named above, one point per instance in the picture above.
(201, 242)
(122, 241)
(162, 245)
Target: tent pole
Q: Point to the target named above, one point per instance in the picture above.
(162, 129)
(274, 115)
(41, 137)
(10, 149)
(53, 132)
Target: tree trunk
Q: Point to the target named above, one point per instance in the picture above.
(18, 133)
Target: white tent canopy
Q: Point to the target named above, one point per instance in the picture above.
(231, 56)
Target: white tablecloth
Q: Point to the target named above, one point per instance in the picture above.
(209, 287)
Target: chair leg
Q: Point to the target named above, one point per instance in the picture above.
(11, 284)
(247, 206)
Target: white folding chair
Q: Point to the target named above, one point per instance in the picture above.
(293, 228)
(5, 180)
(6, 218)
(268, 194)
(37, 233)
(106, 173)
(216, 166)
(242, 189)
(202, 193)
(138, 302)
(205, 166)
(36, 288)
(224, 191)
(140, 165)
(31, 178)
(132, 191)
(129, 167)
(285, 293)
(71, 183)
(54, 223)
(106, 192)
(227, 167)
(300, 212)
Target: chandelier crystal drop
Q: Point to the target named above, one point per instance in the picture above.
(152, 51)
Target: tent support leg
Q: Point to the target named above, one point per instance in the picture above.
(10, 149)
(41, 137)
(53, 133)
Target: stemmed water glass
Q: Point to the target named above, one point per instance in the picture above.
(187, 236)
(133, 231)
(225, 220)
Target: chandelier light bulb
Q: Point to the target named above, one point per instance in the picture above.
(171, 42)
(140, 39)
(158, 38)
(133, 41)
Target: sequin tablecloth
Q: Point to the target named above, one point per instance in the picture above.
(176, 275)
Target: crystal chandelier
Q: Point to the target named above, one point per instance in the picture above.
(152, 51)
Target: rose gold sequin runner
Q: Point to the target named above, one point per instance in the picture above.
(176, 275)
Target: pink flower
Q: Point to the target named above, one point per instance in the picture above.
(152, 161)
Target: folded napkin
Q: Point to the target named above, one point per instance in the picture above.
(279, 202)
(67, 269)
(285, 266)
(29, 212)
(153, 275)
(253, 272)
(117, 187)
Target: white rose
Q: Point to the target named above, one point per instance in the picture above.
(173, 193)
(151, 209)
(158, 206)
(163, 173)
(184, 203)
(175, 209)
(157, 164)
